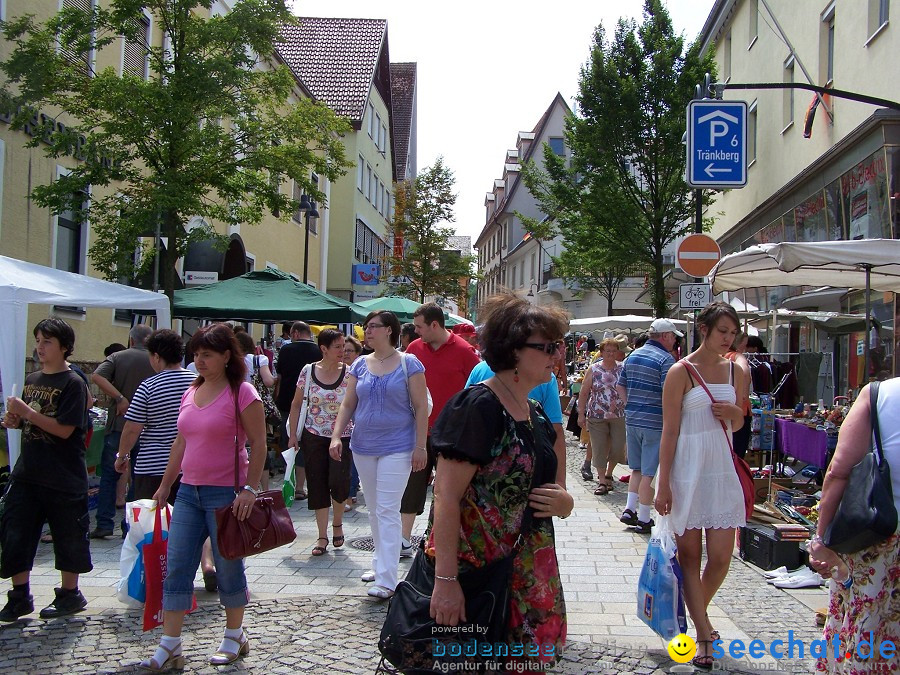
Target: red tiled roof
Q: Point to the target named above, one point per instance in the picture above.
(335, 59)
(403, 91)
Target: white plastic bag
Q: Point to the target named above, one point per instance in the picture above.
(660, 597)
(140, 515)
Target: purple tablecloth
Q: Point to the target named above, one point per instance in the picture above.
(800, 442)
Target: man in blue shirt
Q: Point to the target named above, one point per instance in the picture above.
(641, 386)
(547, 395)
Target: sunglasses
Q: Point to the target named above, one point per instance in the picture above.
(546, 347)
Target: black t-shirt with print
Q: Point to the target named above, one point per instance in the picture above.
(46, 459)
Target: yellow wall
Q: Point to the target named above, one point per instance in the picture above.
(782, 152)
(26, 231)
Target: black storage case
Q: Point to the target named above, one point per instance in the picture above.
(759, 547)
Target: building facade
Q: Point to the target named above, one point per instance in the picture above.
(827, 175)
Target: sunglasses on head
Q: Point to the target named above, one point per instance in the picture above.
(546, 347)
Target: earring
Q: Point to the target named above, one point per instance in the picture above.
(516, 374)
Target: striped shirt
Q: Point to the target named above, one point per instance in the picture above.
(155, 405)
(643, 375)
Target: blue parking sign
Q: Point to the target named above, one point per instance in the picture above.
(716, 144)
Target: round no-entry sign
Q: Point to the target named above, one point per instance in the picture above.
(698, 254)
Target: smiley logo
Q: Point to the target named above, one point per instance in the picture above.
(682, 648)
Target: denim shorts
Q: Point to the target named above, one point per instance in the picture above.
(193, 520)
(643, 449)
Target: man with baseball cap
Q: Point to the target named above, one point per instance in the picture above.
(641, 386)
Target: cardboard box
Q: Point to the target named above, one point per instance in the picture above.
(761, 488)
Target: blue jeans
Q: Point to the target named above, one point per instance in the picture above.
(109, 478)
(193, 520)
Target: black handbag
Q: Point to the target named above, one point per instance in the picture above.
(414, 643)
(866, 515)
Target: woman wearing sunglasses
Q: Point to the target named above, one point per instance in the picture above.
(495, 463)
(390, 416)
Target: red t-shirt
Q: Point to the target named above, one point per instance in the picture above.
(446, 369)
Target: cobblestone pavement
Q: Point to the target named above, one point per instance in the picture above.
(312, 615)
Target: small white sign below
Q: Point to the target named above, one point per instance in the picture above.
(196, 278)
(365, 293)
(694, 296)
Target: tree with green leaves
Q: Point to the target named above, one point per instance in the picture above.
(209, 129)
(428, 266)
(623, 196)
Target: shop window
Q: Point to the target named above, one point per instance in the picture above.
(865, 199)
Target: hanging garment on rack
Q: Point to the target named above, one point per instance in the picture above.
(761, 375)
(787, 395)
(807, 367)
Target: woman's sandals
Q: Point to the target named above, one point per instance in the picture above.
(320, 550)
(338, 539)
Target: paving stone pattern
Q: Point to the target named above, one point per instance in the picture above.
(311, 615)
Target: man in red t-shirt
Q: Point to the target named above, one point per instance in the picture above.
(448, 360)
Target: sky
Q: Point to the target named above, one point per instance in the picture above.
(488, 69)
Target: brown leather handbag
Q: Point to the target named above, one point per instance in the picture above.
(267, 526)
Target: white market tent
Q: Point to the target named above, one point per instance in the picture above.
(865, 264)
(626, 322)
(23, 283)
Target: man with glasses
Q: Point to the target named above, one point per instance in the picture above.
(448, 360)
(640, 385)
(292, 358)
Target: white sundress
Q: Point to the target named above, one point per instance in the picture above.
(706, 492)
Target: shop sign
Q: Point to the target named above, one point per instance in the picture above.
(366, 275)
(198, 278)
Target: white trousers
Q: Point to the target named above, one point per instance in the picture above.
(384, 479)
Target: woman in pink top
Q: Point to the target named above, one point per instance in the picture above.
(203, 452)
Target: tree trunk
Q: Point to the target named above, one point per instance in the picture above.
(171, 227)
(660, 307)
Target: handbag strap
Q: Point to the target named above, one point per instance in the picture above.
(690, 367)
(304, 408)
(873, 416)
(539, 438)
(237, 450)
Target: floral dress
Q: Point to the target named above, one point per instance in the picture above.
(475, 427)
(604, 401)
(868, 611)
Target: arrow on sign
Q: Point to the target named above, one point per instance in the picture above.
(709, 170)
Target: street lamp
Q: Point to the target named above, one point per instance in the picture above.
(308, 209)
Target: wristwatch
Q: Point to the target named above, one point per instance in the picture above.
(249, 489)
(120, 398)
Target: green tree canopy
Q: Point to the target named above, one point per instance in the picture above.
(623, 197)
(211, 131)
(428, 265)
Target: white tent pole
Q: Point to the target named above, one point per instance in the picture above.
(865, 377)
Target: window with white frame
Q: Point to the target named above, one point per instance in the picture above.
(297, 194)
(787, 100)
(373, 188)
(879, 11)
(826, 45)
(377, 131)
(2, 10)
(70, 236)
(360, 173)
(135, 53)
(557, 145)
(369, 248)
(371, 120)
(383, 138)
(83, 61)
(368, 182)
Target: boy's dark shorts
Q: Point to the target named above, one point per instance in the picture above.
(417, 486)
(24, 510)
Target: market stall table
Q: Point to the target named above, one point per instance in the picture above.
(801, 442)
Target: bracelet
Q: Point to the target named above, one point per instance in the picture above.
(121, 457)
(422, 448)
(453, 578)
(816, 539)
(119, 398)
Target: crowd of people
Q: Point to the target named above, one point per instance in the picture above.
(477, 415)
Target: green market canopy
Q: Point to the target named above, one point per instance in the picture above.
(264, 296)
(403, 308)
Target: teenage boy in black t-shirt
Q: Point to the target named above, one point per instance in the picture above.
(49, 481)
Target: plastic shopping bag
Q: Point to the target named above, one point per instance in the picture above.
(154, 554)
(290, 476)
(140, 516)
(660, 587)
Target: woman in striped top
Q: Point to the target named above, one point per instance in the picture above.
(153, 414)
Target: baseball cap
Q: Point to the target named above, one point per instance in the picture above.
(463, 329)
(664, 326)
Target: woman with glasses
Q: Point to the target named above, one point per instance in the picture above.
(389, 409)
(496, 464)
